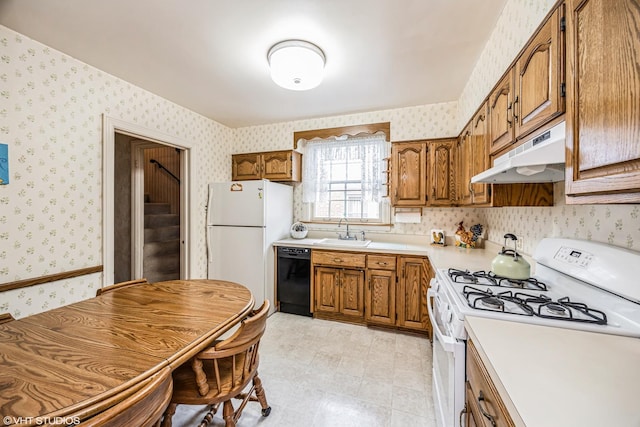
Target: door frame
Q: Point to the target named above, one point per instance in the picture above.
(111, 126)
(137, 204)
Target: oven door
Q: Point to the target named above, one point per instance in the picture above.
(448, 366)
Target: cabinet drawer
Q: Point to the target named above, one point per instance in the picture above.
(338, 259)
(483, 391)
(381, 262)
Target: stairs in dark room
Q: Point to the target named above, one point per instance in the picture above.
(161, 242)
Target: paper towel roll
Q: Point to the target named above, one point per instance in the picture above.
(408, 217)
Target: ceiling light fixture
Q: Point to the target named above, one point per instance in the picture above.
(296, 64)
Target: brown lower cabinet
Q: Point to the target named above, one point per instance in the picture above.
(484, 407)
(380, 290)
(338, 281)
(377, 289)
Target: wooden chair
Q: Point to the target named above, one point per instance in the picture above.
(6, 317)
(222, 372)
(120, 285)
(143, 408)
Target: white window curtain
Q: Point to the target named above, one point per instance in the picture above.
(371, 150)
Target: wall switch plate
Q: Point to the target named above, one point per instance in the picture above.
(519, 243)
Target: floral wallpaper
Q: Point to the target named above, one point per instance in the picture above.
(51, 108)
(617, 225)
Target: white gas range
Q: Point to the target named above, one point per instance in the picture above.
(577, 285)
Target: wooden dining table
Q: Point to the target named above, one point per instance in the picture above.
(77, 360)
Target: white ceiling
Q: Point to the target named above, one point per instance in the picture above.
(211, 55)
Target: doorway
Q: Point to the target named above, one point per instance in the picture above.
(146, 214)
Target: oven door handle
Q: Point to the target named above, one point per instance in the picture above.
(448, 342)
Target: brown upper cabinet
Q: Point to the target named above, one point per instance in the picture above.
(463, 169)
(441, 168)
(603, 112)
(531, 93)
(479, 149)
(500, 105)
(473, 158)
(408, 183)
(539, 77)
(421, 173)
(282, 166)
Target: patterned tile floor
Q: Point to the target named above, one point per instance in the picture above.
(319, 373)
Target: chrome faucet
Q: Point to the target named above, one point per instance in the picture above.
(347, 235)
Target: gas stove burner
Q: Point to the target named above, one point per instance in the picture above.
(574, 309)
(489, 278)
(504, 302)
(462, 276)
(562, 309)
(556, 309)
(529, 283)
(492, 302)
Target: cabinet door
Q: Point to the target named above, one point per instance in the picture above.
(538, 75)
(482, 391)
(326, 282)
(352, 292)
(408, 174)
(380, 300)
(245, 166)
(463, 176)
(441, 182)
(474, 417)
(277, 165)
(412, 293)
(479, 143)
(500, 114)
(603, 112)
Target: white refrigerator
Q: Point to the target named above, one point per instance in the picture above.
(243, 219)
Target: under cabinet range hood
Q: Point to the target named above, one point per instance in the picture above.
(540, 159)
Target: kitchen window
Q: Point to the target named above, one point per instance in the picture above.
(343, 178)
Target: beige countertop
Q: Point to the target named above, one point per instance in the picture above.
(440, 257)
(559, 377)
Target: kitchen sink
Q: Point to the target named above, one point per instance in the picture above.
(340, 242)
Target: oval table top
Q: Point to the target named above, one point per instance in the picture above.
(79, 359)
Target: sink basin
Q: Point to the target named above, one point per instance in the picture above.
(340, 242)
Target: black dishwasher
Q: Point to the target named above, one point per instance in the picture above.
(294, 280)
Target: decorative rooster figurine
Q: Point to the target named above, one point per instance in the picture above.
(466, 237)
(470, 237)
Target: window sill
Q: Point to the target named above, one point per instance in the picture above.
(356, 226)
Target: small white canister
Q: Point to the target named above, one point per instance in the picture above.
(299, 230)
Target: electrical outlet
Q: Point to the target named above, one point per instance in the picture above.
(520, 244)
